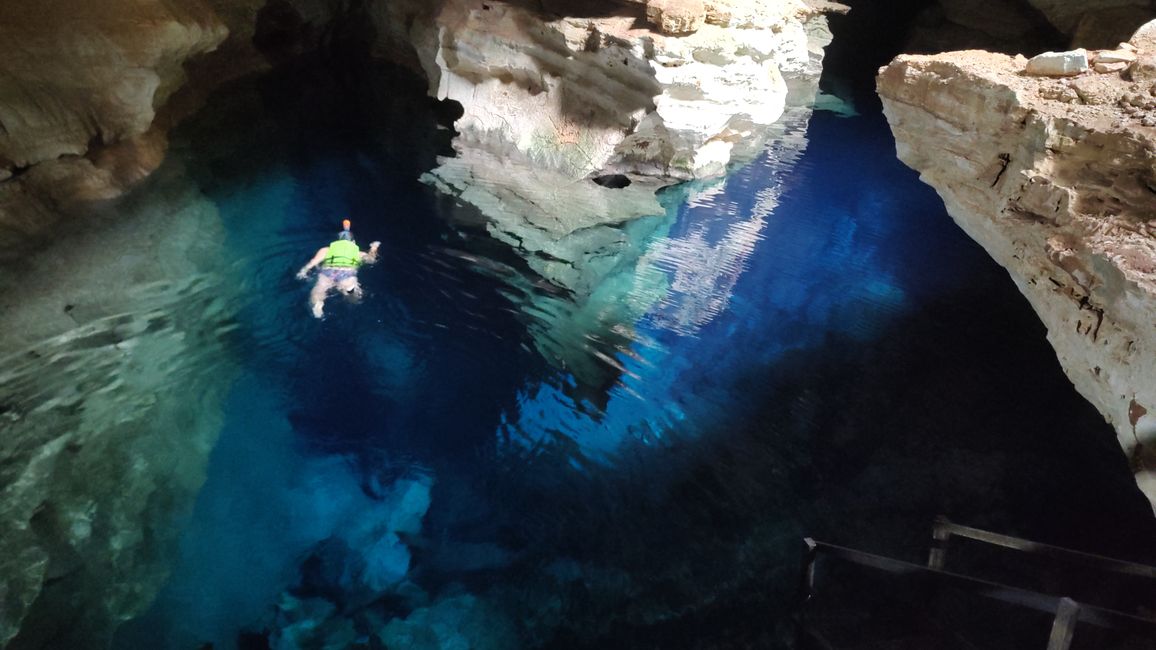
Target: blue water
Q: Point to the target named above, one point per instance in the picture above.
(811, 347)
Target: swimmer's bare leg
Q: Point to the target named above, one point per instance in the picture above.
(351, 288)
(317, 295)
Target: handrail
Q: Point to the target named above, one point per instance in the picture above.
(944, 529)
(1065, 611)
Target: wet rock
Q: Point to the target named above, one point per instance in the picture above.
(577, 98)
(1058, 64)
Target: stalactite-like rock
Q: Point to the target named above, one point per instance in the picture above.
(1057, 180)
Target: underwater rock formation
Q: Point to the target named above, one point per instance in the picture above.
(1055, 178)
(112, 306)
(113, 369)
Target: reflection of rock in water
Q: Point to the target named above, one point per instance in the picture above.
(584, 233)
(113, 369)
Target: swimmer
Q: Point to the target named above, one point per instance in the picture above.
(338, 262)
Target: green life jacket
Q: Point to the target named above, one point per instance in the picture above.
(343, 254)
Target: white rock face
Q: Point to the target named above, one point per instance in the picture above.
(1057, 180)
(552, 104)
(552, 101)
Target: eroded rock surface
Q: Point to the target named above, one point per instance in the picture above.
(1057, 180)
(73, 73)
(551, 102)
(571, 124)
(113, 369)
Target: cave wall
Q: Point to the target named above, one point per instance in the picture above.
(1054, 177)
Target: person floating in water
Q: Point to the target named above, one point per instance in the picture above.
(339, 262)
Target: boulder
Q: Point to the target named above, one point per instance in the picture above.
(1145, 37)
(1143, 69)
(1058, 64)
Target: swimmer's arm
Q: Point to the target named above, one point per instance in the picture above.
(312, 263)
(371, 256)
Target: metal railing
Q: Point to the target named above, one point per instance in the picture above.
(1066, 613)
(944, 529)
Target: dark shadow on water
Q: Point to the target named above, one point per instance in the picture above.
(858, 444)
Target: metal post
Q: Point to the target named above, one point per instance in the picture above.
(940, 533)
(807, 586)
(1064, 625)
(806, 593)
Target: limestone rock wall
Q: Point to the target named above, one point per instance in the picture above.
(553, 101)
(74, 73)
(1057, 180)
(573, 118)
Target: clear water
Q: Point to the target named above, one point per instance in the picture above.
(474, 457)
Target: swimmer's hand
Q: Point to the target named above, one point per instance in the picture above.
(303, 274)
(373, 245)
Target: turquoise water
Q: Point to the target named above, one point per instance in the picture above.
(477, 457)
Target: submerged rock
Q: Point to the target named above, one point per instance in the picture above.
(463, 622)
(1060, 190)
(114, 371)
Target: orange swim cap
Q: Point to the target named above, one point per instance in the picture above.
(345, 224)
